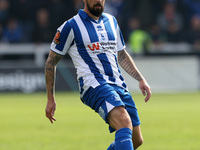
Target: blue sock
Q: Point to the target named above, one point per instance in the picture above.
(112, 146)
(123, 139)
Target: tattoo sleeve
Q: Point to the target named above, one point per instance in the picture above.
(50, 72)
(127, 63)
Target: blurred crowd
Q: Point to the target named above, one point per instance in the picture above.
(142, 22)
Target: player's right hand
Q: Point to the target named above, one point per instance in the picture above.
(50, 110)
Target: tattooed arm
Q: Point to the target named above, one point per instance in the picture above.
(127, 63)
(50, 72)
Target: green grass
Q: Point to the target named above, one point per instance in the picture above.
(169, 122)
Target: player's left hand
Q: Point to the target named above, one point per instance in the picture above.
(145, 88)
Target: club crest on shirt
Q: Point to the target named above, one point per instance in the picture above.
(56, 39)
(102, 36)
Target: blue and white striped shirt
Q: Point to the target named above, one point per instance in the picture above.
(93, 47)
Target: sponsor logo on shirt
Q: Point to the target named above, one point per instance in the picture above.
(94, 46)
(103, 46)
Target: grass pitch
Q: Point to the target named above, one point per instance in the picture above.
(169, 122)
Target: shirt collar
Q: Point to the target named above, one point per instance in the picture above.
(85, 16)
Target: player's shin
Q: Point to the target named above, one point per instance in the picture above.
(123, 139)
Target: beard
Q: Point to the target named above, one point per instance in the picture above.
(95, 11)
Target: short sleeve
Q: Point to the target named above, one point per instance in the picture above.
(63, 39)
(120, 40)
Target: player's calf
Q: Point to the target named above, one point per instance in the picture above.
(137, 137)
(137, 143)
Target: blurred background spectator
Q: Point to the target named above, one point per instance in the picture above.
(169, 15)
(141, 21)
(4, 11)
(157, 35)
(173, 33)
(145, 11)
(192, 35)
(24, 11)
(12, 32)
(191, 8)
(42, 31)
(139, 39)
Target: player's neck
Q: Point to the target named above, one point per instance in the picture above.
(91, 15)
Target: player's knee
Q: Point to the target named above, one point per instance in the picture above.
(124, 121)
(138, 143)
(119, 118)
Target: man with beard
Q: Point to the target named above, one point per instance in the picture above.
(94, 42)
